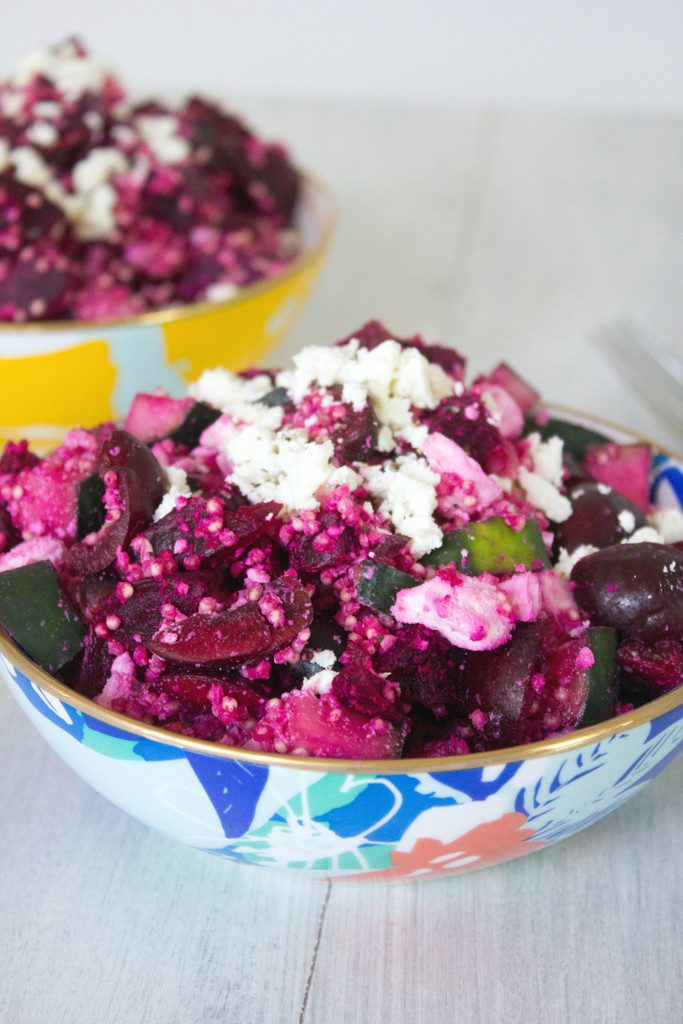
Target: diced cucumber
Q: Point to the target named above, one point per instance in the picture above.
(491, 546)
(195, 423)
(379, 584)
(576, 438)
(91, 512)
(278, 396)
(602, 677)
(35, 612)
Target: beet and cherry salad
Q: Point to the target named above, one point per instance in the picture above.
(109, 208)
(361, 557)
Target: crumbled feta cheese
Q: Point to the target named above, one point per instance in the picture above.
(321, 682)
(546, 458)
(97, 167)
(645, 535)
(406, 488)
(284, 467)
(224, 389)
(29, 167)
(221, 292)
(545, 496)
(42, 134)
(178, 486)
(470, 611)
(325, 659)
(393, 378)
(72, 74)
(627, 521)
(566, 562)
(160, 132)
(669, 524)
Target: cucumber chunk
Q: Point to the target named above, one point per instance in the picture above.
(491, 546)
(603, 679)
(379, 584)
(195, 423)
(35, 612)
(576, 438)
(90, 513)
(278, 396)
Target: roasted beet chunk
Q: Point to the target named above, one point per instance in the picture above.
(466, 420)
(354, 439)
(373, 333)
(369, 693)
(426, 665)
(635, 588)
(326, 549)
(16, 456)
(658, 665)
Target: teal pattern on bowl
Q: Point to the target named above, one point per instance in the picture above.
(377, 820)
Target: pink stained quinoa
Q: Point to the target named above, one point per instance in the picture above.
(361, 557)
(109, 209)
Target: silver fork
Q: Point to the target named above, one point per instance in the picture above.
(654, 372)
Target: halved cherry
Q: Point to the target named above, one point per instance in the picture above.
(236, 635)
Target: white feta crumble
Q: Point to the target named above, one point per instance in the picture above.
(546, 457)
(669, 524)
(325, 659)
(73, 74)
(160, 132)
(284, 467)
(627, 520)
(97, 167)
(224, 389)
(177, 479)
(392, 377)
(545, 496)
(221, 291)
(320, 683)
(566, 562)
(407, 489)
(645, 535)
(42, 134)
(29, 167)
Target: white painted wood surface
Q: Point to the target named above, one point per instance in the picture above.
(509, 236)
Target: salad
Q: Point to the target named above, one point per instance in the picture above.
(110, 208)
(363, 556)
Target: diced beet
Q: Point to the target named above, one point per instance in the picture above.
(17, 456)
(140, 613)
(522, 392)
(9, 535)
(153, 416)
(93, 594)
(625, 467)
(354, 439)
(466, 420)
(658, 665)
(426, 665)
(325, 550)
(369, 693)
(322, 728)
(635, 588)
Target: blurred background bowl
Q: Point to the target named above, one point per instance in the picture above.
(381, 820)
(59, 374)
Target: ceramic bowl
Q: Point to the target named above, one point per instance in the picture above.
(385, 820)
(66, 372)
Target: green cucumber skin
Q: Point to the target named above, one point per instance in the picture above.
(278, 396)
(200, 416)
(602, 678)
(484, 548)
(36, 614)
(576, 438)
(379, 584)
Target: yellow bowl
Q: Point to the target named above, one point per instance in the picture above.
(60, 373)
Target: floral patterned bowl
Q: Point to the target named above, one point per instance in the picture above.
(381, 820)
(43, 366)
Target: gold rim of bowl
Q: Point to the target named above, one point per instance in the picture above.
(313, 191)
(395, 766)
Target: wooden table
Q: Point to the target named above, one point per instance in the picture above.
(507, 235)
